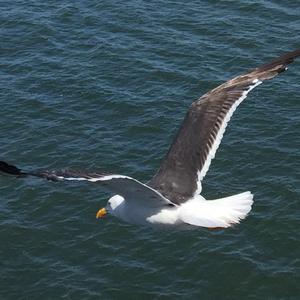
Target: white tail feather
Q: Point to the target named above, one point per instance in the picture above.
(222, 212)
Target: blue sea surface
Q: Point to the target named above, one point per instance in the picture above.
(105, 85)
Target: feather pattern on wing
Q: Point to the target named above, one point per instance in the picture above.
(189, 157)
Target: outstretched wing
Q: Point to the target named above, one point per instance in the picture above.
(130, 188)
(200, 134)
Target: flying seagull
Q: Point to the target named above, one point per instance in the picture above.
(172, 197)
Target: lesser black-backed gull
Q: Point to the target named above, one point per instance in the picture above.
(172, 197)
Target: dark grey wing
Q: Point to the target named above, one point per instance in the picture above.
(130, 188)
(189, 157)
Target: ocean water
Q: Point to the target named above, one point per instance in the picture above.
(106, 84)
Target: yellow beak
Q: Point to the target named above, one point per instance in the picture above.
(101, 213)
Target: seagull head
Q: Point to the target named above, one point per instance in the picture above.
(112, 206)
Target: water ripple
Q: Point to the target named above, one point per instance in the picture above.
(106, 85)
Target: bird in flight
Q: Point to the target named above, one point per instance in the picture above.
(172, 198)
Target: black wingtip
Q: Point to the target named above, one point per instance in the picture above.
(282, 62)
(10, 169)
